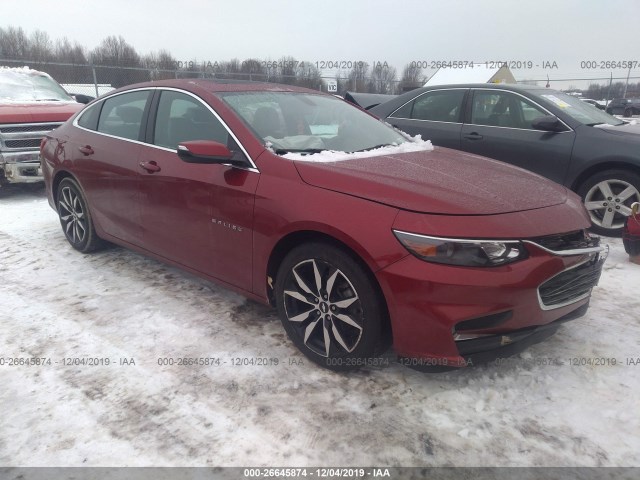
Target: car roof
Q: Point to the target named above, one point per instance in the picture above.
(504, 86)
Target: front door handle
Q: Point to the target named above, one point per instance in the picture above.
(473, 136)
(86, 150)
(151, 166)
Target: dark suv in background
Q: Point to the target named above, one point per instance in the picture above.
(624, 106)
(543, 130)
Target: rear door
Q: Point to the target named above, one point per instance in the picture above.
(435, 114)
(500, 128)
(105, 155)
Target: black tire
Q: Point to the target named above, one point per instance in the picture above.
(75, 217)
(608, 212)
(348, 310)
(628, 113)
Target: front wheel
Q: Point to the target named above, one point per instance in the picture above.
(329, 306)
(75, 217)
(608, 197)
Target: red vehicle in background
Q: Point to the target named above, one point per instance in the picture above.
(631, 234)
(31, 104)
(359, 235)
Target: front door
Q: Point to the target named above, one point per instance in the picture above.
(199, 215)
(500, 128)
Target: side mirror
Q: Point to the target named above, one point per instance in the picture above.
(207, 151)
(80, 98)
(548, 123)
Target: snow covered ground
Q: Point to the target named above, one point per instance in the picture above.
(60, 305)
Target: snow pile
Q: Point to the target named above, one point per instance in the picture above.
(572, 400)
(415, 145)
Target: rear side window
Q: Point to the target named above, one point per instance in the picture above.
(181, 118)
(89, 118)
(438, 106)
(121, 115)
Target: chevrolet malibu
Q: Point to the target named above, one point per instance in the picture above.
(359, 235)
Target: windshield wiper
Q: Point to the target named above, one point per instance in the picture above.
(48, 100)
(603, 123)
(282, 151)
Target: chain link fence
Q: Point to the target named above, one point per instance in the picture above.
(96, 80)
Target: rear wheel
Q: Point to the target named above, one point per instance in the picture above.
(608, 197)
(75, 217)
(628, 112)
(329, 306)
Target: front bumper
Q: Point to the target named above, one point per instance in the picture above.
(449, 316)
(20, 166)
(23, 172)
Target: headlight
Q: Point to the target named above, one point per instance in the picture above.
(466, 253)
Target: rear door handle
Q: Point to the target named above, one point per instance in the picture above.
(151, 166)
(473, 136)
(86, 150)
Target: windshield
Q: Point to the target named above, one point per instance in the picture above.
(24, 85)
(310, 123)
(579, 110)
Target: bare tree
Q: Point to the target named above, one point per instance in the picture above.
(412, 77)
(40, 47)
(116, 52)
(14, 44)
(358, 77)
(253, 70)
(286, 71)
(307, 75)
(67, 52)
(383, 79)
(161, 64)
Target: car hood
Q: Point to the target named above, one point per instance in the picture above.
(28, 112)
(631, 128)
(441, 181)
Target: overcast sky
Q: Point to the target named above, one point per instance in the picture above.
(398, 32)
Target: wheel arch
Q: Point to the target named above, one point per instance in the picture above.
(293, 239)
(59, 176)
(609, 164)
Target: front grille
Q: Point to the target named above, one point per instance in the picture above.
(24, 136)
(567, 241)
(23, 143)
(27, 128)
(571, 285)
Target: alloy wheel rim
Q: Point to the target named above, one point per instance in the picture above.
(609, 202)
(72, 216)
(323, 308)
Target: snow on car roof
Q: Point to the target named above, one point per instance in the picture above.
(25, 69)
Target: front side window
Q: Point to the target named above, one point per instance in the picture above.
(121, 115)
(437, 106)
(182, 118)
(503, 109)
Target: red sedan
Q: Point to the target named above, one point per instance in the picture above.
(359, 235)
